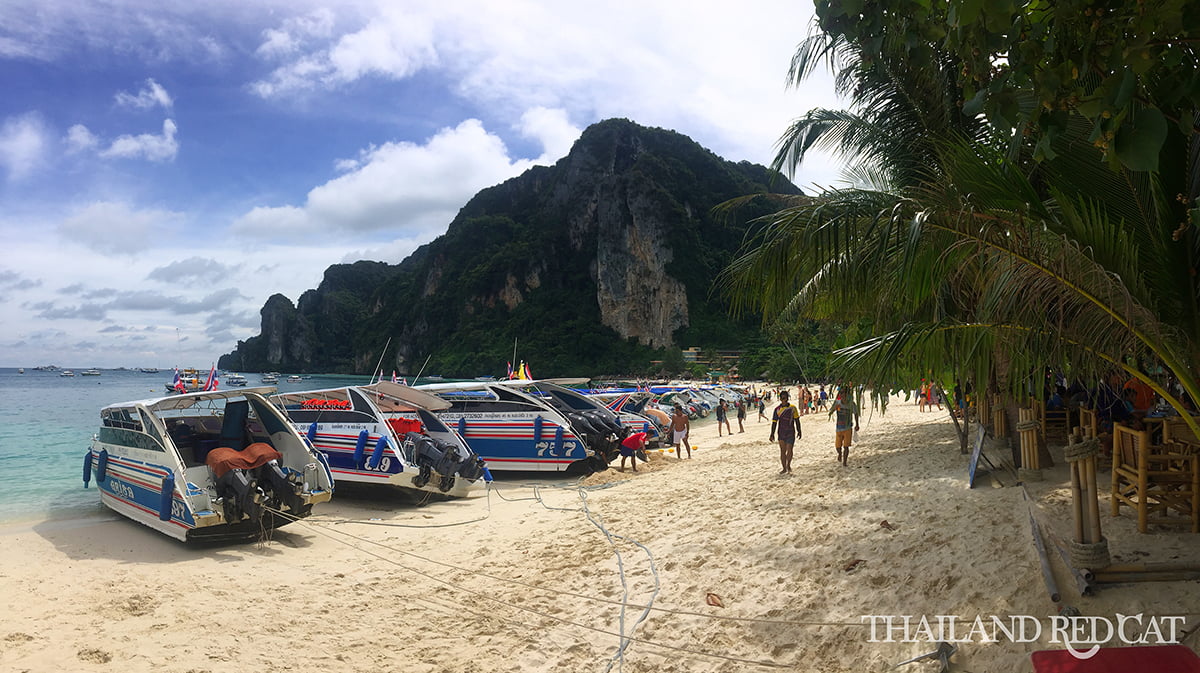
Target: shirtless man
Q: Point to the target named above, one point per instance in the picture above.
(680, 424)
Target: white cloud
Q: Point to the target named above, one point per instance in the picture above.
(146, 145)
(150, 95)
(393, 45)
(79, 138)
(402, 188)
(552, 129)
(116, 228)
(23, 142)
(295, 33)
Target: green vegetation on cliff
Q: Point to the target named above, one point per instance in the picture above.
(602, 263)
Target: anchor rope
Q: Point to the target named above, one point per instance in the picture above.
(642, 641)
(572, 594)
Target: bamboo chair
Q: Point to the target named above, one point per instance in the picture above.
(1155, 480)
(1055, 423)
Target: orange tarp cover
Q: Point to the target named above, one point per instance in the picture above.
(223, 459)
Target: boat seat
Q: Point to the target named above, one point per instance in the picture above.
(233, 426)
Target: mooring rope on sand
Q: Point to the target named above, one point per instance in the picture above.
(563, 592)
(649, 643)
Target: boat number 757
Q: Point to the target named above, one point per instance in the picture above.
(547, 449)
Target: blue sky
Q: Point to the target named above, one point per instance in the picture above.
(165, 170)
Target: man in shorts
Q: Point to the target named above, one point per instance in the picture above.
(630, 446)
(846, 426)
(786, 420)
(723, 417)
(680, 424)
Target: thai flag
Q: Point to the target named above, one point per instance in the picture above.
(177, 384)
(394, 380)
(211, 383)
(510, 372)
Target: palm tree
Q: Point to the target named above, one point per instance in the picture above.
(959, 247)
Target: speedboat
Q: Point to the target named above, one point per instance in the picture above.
(216, 465)
(385, 433)
(270, 377)
(90, 372)
(66, 372)
(532, 424)
(236, 380)
(186, 381)
(294, 378)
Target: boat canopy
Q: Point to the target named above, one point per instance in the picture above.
(189, 400)
(389, 397)
(509, 383)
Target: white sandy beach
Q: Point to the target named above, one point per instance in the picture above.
(528, 583)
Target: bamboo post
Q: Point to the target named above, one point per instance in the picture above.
(1077, 500)
(1089, 549)
(1143, 480)
(1027, 425)
(1089, 466)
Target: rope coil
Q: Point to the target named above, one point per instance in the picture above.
(1090, 555)
(1081, 450)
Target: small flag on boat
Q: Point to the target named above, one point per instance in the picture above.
(509, 376)
(211, 383)
(178, 383)
(394, 380)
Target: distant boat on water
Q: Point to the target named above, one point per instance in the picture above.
(90, 372)
(149, 370)
(235, 380)
(270, 377)
(66, 372)
(20, 370)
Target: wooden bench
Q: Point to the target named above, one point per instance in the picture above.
(1157, 481)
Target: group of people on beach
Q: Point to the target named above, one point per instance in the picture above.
(785, 424)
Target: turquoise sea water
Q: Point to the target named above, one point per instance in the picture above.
(46, 425)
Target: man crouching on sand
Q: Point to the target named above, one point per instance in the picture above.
(680, 424)
(786, 419)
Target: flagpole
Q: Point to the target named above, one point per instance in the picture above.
(378, 365)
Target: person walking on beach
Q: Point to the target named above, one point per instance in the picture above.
(846, 425)
(741, 415)
(680, 424)
(786, 420)
(723, 417)
(762, 409)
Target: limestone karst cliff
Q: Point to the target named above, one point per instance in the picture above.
(597, 263)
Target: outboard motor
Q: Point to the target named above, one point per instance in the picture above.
(471, 470)
(283, 489)
(601, 420)
(583, 424)
(240, 495)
